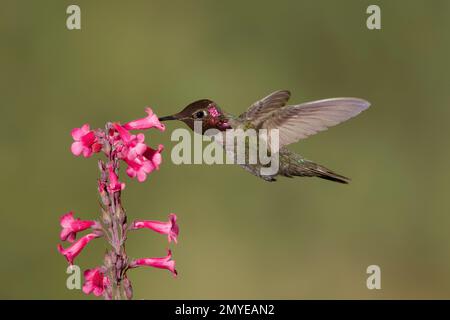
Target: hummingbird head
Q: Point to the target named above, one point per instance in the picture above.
(206, 111)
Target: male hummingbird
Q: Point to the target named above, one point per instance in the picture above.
(294, 122)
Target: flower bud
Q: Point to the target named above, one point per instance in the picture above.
(119, 265)
(121, 216)
(113, 257)
(127, 288)
(108, 292)
(107, 261)
(106, 218)
(101, 165)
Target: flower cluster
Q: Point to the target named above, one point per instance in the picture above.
(119, 145)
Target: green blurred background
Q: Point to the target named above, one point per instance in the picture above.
(240, 236)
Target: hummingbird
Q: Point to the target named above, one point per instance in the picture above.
(294, 122)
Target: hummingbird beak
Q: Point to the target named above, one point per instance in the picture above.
(167, 118)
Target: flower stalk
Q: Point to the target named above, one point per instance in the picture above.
(114, 221)
(119, 146)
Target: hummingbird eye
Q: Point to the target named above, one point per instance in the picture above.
(199, 114)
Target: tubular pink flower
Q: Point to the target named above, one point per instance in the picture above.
(85, 141)
(95, 281)
(161, 263)
(137, 147)
(140, 158)
(114, 183)
(133, 145)
(170, 227)
(70, 226)
(154, 156)
(151, 121)
(124, 134)
(141, 166)
(74, 250)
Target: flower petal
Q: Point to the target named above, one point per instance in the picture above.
(77, 148)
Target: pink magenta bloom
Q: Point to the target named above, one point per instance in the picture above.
(133, 145)
(70, 226)
(151, 121)
(114, 183)
(137, 147)
(170, 227)
(74, 250)
(85, 141)
(141, 166)
(161, 263)
(140, 158)
(154, 156)
(95, 281)
(124, 134)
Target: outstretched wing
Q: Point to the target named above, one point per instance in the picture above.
(259, 110)
(300, 121)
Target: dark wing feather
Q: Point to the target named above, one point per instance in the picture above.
(297, 122)
(261, 109)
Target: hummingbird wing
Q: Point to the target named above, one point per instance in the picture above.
(261, 109)
(297, 122)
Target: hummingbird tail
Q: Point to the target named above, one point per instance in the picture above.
(334, 177)
(312, 169)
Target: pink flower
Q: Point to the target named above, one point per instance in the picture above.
(95, 281)
(154, 156)
(137, 147)
(151, 121)
(85, 141)
(74, 250)
(140, 158)
(71, 226)
(161, 263)
(133, 145)
(124, 134)
(114, 183)
(170, 227)
(141, 166)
